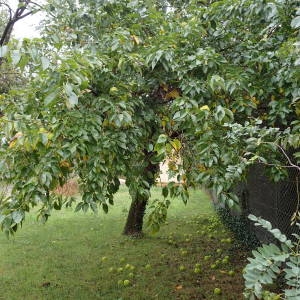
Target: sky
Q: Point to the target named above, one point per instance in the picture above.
(26, 27)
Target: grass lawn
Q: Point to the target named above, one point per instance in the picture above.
(84, 256)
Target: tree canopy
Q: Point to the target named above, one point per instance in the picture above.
(116, 87)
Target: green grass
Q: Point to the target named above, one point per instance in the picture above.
(63, 258)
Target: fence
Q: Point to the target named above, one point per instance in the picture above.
(275, 202)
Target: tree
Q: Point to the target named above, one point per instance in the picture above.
(8, 18)
(116, 87)
(24, 9)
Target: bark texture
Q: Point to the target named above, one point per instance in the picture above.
(134, 223)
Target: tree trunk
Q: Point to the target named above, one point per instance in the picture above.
(134, 223)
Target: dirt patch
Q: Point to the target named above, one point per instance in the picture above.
(70, 188)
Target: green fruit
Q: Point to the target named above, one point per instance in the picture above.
(126, 282)
(182, 268)
(148, 266)
(104, 258)
(197, 265)
(120, 282)
(120, 270)
(187, 240)
(213, 266)
(127, 266)
(217, 291)
(197, 270)
(219, 250)
(183, 252)
(207, 257)
(225, 261)
(229, 240)
(131, 275)
(132, 268)
(122, 259)
(110, 270)
(231, 273)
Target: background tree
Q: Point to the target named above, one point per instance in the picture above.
(24, 9)
(120, 86)
(8, 18)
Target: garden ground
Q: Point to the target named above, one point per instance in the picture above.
(84, 256)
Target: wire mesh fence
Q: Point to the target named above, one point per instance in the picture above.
(275, 202)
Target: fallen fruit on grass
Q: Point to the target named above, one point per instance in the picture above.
(183, 252)
(111, 269)
(217, 291)
(120, 270)
(231, 273)
(122, 259)
(131, 275)
(126, 282)
(197, 270)
(197, 265)
(225, 261)
(148, 266)
(207, 257)
(213, 266)
(182, 268)
(219, 250)
(104, 258)
(127, 266)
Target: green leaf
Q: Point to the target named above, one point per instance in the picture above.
(72, 97)
(17, 216)
(162, 139)
(219, 113)
(50, 97)
(176, 144)
(105, 207)
(3, 51)
(217, 83)
(45, 63)
(296, 22)
(165, 191)
(15, 56)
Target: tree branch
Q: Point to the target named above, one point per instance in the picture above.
(9, 9)
(19, 14)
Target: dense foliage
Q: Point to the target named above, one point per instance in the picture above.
(272, 261)
(118, 86)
